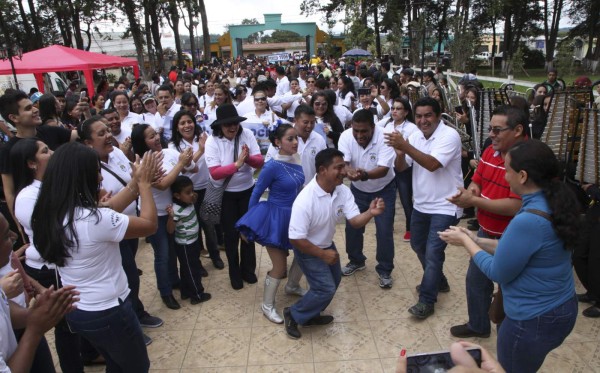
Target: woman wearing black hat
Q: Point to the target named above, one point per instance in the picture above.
(230, 138)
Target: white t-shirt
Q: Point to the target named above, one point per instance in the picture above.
(124, 134)
(283, 86)
(94, 267)
(200, 177)
(316, 212)
(430, 189)
(120, 165)
(375, 154)
(405, 128)
(163, 198)
(19, 299)
(307, 151)
(24, 204)
(8, 342)
(343, 114)
(205, 100)
(219, 152)
(292, 109)
(347, 100)
(167, 119)
(131, 119)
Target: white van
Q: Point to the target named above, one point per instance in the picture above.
(52, 83)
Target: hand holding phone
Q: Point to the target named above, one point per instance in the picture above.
(438, 362)
(82, 95)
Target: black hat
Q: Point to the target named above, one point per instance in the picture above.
(227, 114)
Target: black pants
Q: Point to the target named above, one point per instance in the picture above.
(128, 249)
(189, 269)
(242, 263)
(586, 257)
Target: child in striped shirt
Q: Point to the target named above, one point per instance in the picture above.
(184, 224)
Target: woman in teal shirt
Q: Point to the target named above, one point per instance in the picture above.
(531, 261)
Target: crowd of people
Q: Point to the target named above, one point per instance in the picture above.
(185, 161)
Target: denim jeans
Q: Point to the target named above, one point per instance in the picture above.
(384, 228)
(429, 248)
(128, 248)
(523, 345)
(479, 295)
(323, 280)
(165, 260)
(116, 333)
(405, 192)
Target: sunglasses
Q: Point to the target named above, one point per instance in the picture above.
(256, 99)
(497, 130)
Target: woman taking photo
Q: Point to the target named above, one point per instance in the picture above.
(346, 93)
(532, 260)
(388, 91)
(188, 135)
(48, 105)
(267, 222)
(82, 240)
(328, 124)
(144, 138)
(232, 154)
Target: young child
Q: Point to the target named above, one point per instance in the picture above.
(183, 222)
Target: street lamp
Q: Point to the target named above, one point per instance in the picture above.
(7, 53)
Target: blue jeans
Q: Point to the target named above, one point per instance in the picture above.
(405, 192)
(165, 260)
(323, 280)
(479, 295)
(116, 334)
(523, 345)
(429, 248)
(384, 227)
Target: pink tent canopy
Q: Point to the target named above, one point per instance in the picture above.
(59, 58)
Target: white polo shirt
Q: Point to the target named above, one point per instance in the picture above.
(307, 150)
(120, 165)
(24, 204)
(20, 298)
(94, 267)
(167, 119)
(283, 86)
(124, 134)
(219, 152)
(316, 212)
(8, 342)
(405, 128)
(199, 178)
(131, 119)
(430, 189)
(375, 154)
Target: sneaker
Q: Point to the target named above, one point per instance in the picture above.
(319, 320)
(352, 267)
(463, 331)
(592, 311)
(149, 321)
(385, 281)
(147, 340)
(406, 237)
(203, 298)
(421, 310)
(443, 288)
(291, 326)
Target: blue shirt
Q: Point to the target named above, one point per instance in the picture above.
(531, 263)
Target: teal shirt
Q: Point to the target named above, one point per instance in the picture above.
(531, 263)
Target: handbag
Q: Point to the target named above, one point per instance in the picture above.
(496, 312)
(210, 208)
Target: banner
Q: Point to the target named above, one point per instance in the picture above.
(261, 133)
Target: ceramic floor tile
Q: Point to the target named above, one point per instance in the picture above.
(271, 345)
(228, 312)
(218, 348)
(441, 328)
(564, 359)
(168, 348)
(347, 307)
(387, 304)
(349, 366)
(586, 329)
(181, 319)
(282, 368)
(589, 352)
(215, 370)
(391, 336)
(343, 341)
(389, 365)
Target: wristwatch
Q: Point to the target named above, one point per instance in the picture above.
(364, 175)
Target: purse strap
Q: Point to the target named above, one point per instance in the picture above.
(235, 158)
(541, 213)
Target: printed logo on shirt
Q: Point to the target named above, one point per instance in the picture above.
(373, 157)
(339, 211)
(313, 151)
(122, 166)
(115, 219)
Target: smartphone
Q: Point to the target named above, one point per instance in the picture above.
(459, 109)
(82, 95)
(364, 91)
(437, 362)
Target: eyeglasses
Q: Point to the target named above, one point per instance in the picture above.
(256, 99)
(497, 130)
(317, 103)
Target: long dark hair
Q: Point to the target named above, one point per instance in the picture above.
(542, 167)
(175, 135)
(47, 105)
(21, 154)
(138, 139)
(392, 86)
(347, 87)
(72, 174)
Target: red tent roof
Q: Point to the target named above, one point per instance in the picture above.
(60, 58)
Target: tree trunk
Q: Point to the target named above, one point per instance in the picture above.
(440, 31)
(173, 19)
(131, 10)
(376, 27)
(30, 44)
(38, 43)
(74, 13)
(363, 19)
(205, 34)
(551, 31)
(148, 35)
(155, 29)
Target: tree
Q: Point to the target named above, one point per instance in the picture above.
(205, 34)
(130, 7)
(253, 38)
(551, 30)
(282, 36)
(172, 15)
(586, 15)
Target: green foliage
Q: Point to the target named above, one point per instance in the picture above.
(532, 58)
(281, 36)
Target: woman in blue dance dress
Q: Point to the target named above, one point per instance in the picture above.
(267, 222)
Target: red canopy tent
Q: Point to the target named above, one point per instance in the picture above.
(60, 58)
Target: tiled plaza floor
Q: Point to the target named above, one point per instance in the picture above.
(230, 334)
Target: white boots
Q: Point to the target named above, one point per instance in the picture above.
(293, 284)
(268, 305)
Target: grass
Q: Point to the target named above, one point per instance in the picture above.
(533, 75)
